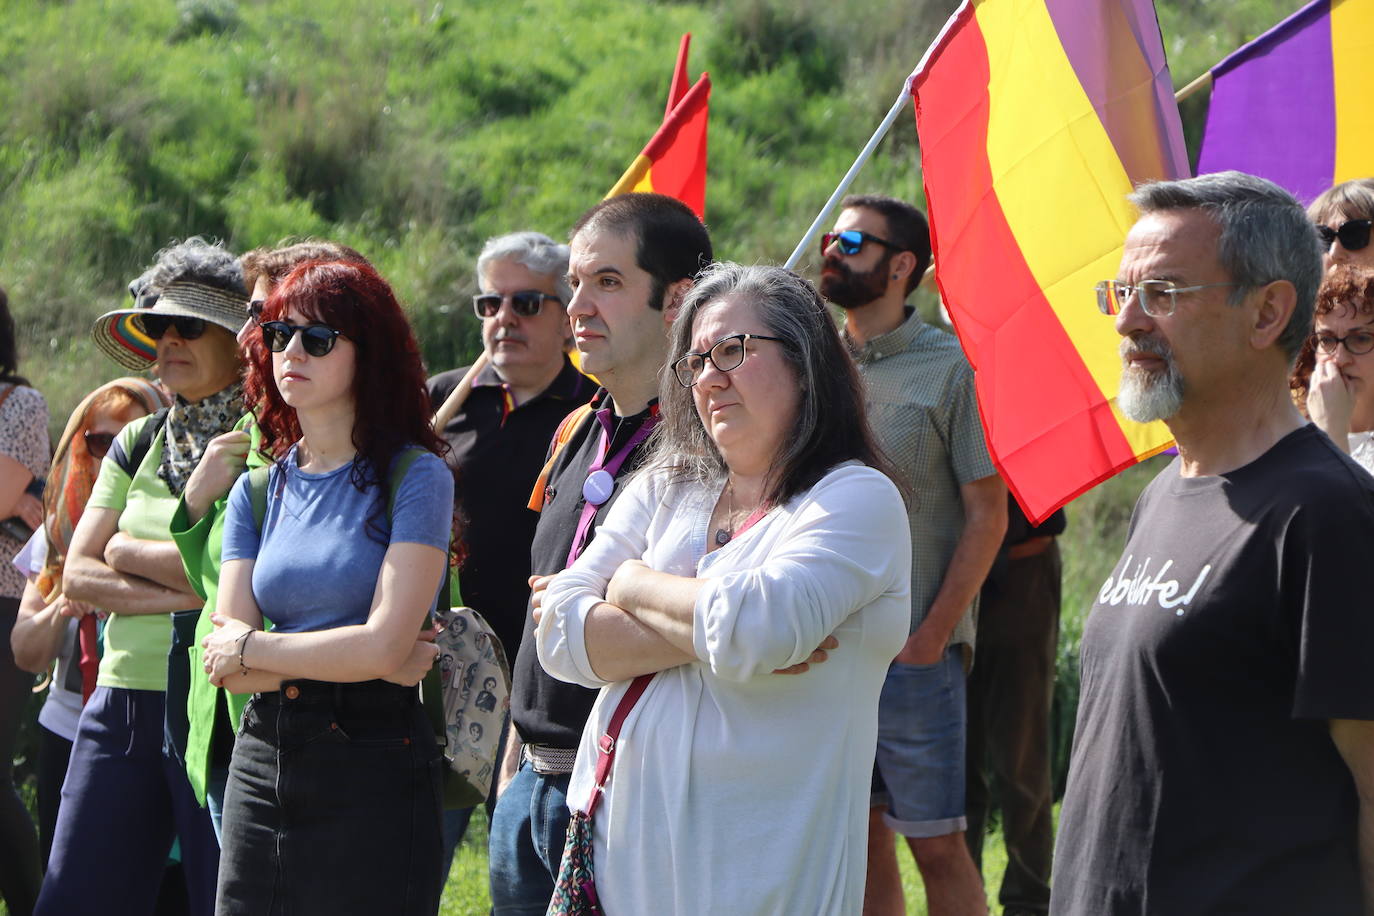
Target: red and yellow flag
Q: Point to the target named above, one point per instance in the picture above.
(1036, 118)
(674, 161)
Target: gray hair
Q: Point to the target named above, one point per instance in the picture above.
(536, 251)
(192, 261)
(1265, 236)
(831, 425)
(1352, 199)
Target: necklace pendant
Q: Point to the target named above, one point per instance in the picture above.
(722, 537)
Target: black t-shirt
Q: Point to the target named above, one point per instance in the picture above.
(498, 450)
(545, 710)
(1203, 778)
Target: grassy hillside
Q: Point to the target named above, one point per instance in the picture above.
(414, 129)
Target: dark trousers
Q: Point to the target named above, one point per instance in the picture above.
(1009, 693)
(53, 753)
(19, 863)
(333, 804)
(122, 803)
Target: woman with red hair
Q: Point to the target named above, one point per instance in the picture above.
(333, 800)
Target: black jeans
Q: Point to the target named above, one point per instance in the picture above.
(333, 804)
(20, 870)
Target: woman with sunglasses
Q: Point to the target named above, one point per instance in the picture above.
(1344, 215)
(124, 799)
(1333, 380)
(197, 527)
(52, 626)
(761, 526)
(333, 800)
(23, 459)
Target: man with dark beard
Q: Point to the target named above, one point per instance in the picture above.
(1223, 759)
(922, 409)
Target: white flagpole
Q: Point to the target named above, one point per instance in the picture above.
(849, 176)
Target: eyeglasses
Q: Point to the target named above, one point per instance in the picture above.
(156, 325)
(1357, 343)
(725, 354)
(852, 241)
(98, 443)
(526, 303)
(316, 339)
(1158, 298)
(1354, 234)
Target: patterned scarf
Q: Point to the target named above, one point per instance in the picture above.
(64, 498)
(190, 427)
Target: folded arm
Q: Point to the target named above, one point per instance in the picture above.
(88, 577)
(386, 643)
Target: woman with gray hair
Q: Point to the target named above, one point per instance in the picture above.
(761, 528)
(125, 799)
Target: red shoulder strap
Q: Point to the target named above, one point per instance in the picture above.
(605, 754)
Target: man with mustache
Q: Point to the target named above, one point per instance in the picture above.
(633, 258)
(1223, 758)
(921, 407)
(500, 433)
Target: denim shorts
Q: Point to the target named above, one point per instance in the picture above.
(918, 775)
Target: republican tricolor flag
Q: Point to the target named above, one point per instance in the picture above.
(1036, 119)
(674, 161)
(1293, 105)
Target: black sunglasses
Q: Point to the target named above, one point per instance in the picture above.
(1354, 234)
(316, 339)
(97, 444)
(525, 303)
(156, 325)
(852, 241)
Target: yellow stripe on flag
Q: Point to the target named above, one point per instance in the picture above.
(1352, 59)
(1060, 184)
(635, 179)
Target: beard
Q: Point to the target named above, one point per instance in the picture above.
(1146, 395)
(852, 290)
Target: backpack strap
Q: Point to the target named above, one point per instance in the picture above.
(565, 431)
(257, 493)
(131, 461)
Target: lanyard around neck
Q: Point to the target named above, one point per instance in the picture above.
(600, 483)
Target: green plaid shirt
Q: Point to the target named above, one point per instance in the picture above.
(922, 410)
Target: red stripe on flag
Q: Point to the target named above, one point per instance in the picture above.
(1050, 429)
(678, 151)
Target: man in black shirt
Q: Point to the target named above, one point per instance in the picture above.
(501, 432)
(633, 258)
(1223, 758)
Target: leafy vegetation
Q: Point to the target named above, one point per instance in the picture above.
(414, 129)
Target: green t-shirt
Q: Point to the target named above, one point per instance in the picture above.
(136, 645)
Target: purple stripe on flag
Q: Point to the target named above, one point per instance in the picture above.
(1118, 56)
(1273, 107)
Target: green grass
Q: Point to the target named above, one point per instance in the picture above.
(466, 891)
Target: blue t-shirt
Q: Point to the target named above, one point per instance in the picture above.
(317, 563)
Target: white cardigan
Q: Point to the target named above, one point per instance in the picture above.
(737, 790)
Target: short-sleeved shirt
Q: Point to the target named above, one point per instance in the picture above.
(23, 437)
(498, 448)
(323, 540)
(546, 710)
(923, 410)
(136, 645)
(1235, 625)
